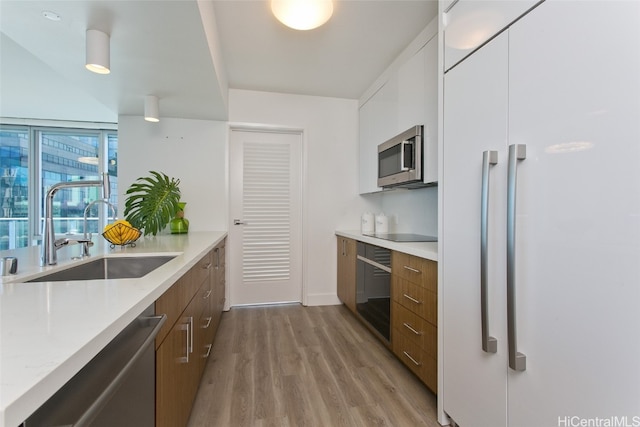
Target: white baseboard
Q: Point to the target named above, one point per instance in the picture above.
(323, 299)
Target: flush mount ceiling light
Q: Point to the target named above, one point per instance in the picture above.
(151, 109)
(302, 14)
(98, 59)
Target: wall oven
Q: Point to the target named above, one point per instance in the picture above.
(400, 160)
(373, 287)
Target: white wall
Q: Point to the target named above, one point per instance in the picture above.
(193, 151)
(330, 133)
(409, 211)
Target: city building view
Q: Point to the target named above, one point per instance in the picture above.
(32, 160)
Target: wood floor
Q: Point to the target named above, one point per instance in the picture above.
(295, 366)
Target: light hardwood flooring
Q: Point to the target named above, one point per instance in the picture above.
(294, 366)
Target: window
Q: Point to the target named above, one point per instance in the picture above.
(32, 159)
(14, 188)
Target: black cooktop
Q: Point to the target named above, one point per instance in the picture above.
(404, 237)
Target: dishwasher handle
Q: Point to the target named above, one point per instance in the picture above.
(88, 415)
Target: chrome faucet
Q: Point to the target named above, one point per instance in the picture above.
(50, 245)
(87, 235)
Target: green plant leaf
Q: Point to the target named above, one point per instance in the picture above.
(152, 202)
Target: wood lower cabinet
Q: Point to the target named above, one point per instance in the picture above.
(414, 315)
(193, 306)
(347, 272)
(219, 284)
(213, 299)
(176, 371)
(414, 307)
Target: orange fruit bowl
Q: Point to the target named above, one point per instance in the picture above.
(119, 234)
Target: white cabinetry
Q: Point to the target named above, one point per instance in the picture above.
(469, 23)
(555, 82)
(378, 122)
(408, 98)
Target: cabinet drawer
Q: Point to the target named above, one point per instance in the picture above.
(203, 268)
(415, 298)
(415, 329)
(416, 359)
(418, 270)
(173, 302)
(204, 343)
(205, 295)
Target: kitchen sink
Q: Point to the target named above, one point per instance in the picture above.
(108, 268)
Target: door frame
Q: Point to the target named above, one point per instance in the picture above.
(264, 128)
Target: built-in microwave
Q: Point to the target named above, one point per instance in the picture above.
(400, 160)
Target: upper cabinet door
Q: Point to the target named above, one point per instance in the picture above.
(408, 98)
(470, 23)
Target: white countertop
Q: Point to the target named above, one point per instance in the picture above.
(50, 330)
(428, 250)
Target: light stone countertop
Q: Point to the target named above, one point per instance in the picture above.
(50, 330)
(427, 250)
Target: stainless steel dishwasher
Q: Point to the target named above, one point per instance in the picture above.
(116, 388)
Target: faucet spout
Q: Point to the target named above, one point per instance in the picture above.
(87, 235)
(49, 247)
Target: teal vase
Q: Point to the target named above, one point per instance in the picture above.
(179, 224)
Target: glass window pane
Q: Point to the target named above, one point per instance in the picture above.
(112, 167)
(14, 188)
(69, 157)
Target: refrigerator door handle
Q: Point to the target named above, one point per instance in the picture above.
(517, 360)
(489, 343)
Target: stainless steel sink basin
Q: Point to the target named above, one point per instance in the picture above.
(108, 268)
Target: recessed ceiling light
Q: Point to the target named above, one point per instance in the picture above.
(52, 16)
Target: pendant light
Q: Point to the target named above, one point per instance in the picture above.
(97, 54)
(151, 109)
(302, 14)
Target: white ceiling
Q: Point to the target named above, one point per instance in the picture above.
(187, 52)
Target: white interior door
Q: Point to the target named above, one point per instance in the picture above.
(265, 234)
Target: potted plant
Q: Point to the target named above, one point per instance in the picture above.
(152, 202)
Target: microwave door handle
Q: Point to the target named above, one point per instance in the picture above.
(403, 147)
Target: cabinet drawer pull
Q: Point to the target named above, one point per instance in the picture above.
(406, 267)
(207, 267)
(408, 326)
(190, 336)
(185, 358)
(412, 299)
(208, 322)
(412, 359)
(209, 347)
(207, 295)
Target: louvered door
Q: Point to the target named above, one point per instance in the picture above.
(265, 231)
